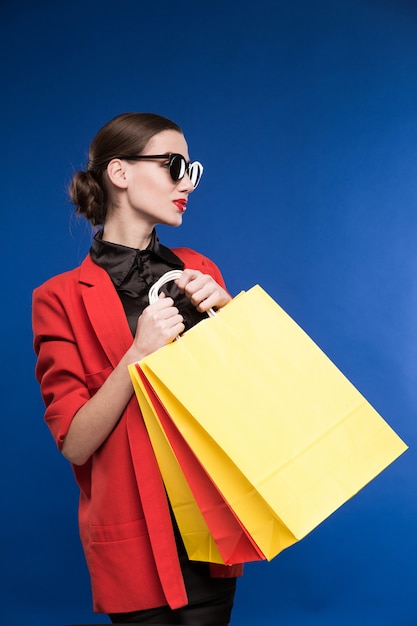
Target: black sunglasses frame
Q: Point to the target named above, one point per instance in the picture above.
(185, 168)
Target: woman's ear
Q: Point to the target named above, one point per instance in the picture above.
(116, 173)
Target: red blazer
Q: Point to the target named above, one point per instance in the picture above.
(80, 334)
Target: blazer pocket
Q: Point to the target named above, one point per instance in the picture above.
(95, 381)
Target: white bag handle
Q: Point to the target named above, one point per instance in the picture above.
(166, 278)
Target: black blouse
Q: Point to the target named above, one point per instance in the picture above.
(133, 272)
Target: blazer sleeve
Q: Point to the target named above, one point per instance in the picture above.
(59, 367)
(196, 261)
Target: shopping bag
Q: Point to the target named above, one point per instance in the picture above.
(198, 541)
(281, 432)
(220, 538)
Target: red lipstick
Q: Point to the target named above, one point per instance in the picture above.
(181, 204)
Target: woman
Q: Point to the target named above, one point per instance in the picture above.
(89, 324)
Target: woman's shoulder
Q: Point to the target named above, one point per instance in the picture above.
(188, 255)
(87, 272)
(196, 261)
(60, 281)
(63, 281)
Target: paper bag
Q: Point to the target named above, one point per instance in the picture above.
(281, 432)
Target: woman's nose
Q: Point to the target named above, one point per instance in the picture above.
(185, 184)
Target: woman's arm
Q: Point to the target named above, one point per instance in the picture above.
(159, 324)
(79, 422)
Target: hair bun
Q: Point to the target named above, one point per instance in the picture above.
(88, 197)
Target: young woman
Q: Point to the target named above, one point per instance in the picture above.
(89, 324)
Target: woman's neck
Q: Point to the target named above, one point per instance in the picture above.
(132, 235)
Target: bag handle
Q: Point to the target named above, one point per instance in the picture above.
(166, 278)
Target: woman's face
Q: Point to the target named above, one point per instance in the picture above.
(151, 195)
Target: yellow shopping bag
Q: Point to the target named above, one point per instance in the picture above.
(209, 528)
(279, 429)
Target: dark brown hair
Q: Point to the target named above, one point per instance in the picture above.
(128, 133)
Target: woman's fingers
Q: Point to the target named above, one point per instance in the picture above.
(202, 290)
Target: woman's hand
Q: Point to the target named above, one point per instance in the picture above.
(202, 290)
(158, 325)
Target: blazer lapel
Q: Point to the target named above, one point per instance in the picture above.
(105, 311)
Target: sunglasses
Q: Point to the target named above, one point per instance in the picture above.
(177, 165)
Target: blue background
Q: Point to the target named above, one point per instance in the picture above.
(305, 117)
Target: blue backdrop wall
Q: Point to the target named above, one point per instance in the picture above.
(305, 117)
